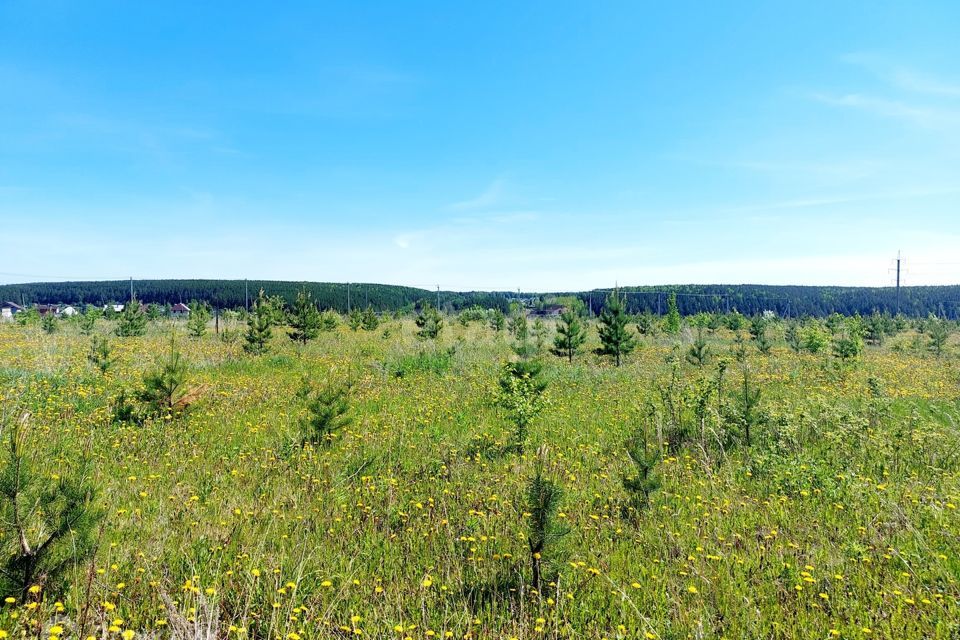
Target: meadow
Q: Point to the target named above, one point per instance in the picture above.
(838, 519)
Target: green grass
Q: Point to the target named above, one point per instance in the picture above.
(842, 517)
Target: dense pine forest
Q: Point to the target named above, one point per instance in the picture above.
(789, 301)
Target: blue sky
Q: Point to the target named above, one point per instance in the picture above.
(485, 145)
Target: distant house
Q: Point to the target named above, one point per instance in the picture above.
(549, 311)
(69, 311)
(118, 308)
(9, 309)
(179, 310)
(47, 309)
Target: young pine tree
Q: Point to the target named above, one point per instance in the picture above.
(88, 320)
(429, 323)
(543, 500)
(642, 479)
(199, 317)
(764, 344)
(792, 336)
(672, 323)
(748, 401)
(520, 328)
(758, 333)
(355, 319)
(369, 320)
(540, 333)
(47, 521)
(48, 323)
(615, 337)
(305, 321)
(521, 394)
(100, 354)
(699, 352)
(132, 321)
(570, 335)
(497, 320)
(165, 388)
(259, 328)
(326, 414)
(329, 320)
(938, 335)
(848, 343)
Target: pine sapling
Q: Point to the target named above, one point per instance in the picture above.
(165, 388)
(132, 321)
(326, 413)
(87, 321)
(749, 399)
(100, 354)
(615, 337)
(369, 320)
(197, 323)
(641, 481)
(521, 394)
(699, 352)
(570, 335)
(305, 320)
(259, 327)
(47, 521)
(429, 323)
(48, 323)
(543, 499)
(938, 335)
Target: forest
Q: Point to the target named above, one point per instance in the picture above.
(785, 301)
(295, 473)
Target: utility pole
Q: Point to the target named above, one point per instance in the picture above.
(438, 297)
(898, 282)
(131, 288)
(246, 295)
(216, 321)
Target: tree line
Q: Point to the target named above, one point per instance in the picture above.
(786, 301)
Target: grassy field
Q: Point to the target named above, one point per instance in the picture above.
(839, 519)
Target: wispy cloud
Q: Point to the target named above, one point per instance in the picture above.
(491, 196)
(839, 169)
(826, 201)
(925, 116)
(904, 77)
(464, 228)
(915, 97)
(912, 80)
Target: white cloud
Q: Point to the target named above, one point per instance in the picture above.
(904, 77)
(928, 117)
(491, 196)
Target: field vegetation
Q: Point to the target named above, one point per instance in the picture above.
(296, 474)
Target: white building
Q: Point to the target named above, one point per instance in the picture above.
(9, 309)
